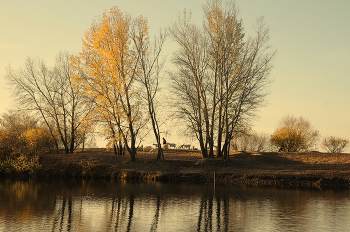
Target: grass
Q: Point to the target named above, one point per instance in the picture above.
(312, 169)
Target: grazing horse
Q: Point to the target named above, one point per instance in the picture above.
(172, 145)
(186, 146)
(147, 148)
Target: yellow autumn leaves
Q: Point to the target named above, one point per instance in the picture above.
(294, 135)
(107, 68)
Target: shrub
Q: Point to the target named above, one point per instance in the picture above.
(294, 135)
(251, 141)
(35, 139)
(20, 134)
(334, 144)
(20, 165)
(12, 125)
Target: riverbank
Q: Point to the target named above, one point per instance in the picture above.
(313, 169)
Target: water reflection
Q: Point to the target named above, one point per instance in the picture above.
(106, 206)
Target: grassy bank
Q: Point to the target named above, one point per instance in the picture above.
(264, 169)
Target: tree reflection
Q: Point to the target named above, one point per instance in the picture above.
(224, 201)
(131, 210)
(63, 209)
(62, 214)
(226, 212)
(70, 214)
(106, 206)
(156, 215)
(207, 208)
(20, 199)
(205, 211)
(115, 212)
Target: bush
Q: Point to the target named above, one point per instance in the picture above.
(35, 139)
(334, 144)
(251, 141)
(294, 135)
(12, 125)
(20, 165)
(20, 134)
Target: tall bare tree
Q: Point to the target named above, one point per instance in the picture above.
(149, 76)
(221, 75)
(48, 92)
(190, 82)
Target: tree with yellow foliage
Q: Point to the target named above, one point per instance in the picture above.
(12, 125)
(108, 67)
(20, 133)
(294, 135)
(35, 139)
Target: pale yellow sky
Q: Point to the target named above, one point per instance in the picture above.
(312, 66)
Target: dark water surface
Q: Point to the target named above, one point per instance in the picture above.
(99, 205)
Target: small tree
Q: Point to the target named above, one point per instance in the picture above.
(12, 125)
(35, 139)
(334, 144)
(294, 135)
(20, 134)
(251, 141)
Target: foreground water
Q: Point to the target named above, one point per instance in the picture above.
(97, 205)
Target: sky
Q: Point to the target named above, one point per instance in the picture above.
(311, 74)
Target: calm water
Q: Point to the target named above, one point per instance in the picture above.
(107, 206)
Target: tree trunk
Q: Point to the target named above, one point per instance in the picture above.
(83, 142)
(218, 150)
(225, 150)
(66, 149)
(71, 149)
(121, 148)
(115, 148)
(160, 152)
(203, 148)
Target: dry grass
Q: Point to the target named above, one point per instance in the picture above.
(191, 161)
(249, 168)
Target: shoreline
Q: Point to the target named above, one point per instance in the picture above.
(295, 170)
(291, 180)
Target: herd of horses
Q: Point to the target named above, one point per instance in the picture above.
(167, 146)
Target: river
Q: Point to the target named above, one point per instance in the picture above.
(100, 205)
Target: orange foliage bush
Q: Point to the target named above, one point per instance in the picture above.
(35, 139)
(19, 134)
(12, 125)
(294, 135)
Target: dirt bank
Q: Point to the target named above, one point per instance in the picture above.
(265, 169)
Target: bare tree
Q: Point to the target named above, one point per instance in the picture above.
(190, 82)
(48, 92)
(149, 77)
(113, 136)
(251, 141)
(334, 144)
(221, 76)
